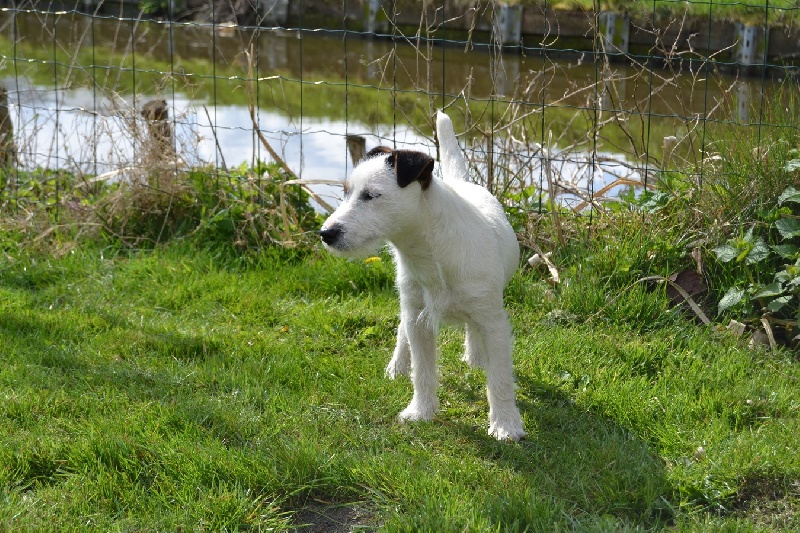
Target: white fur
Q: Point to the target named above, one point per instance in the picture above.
(455, 252)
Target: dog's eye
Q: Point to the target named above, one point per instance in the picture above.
(366, 196)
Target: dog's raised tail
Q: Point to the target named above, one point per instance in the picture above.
(454, 166)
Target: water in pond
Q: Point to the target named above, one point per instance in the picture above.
(76, 86)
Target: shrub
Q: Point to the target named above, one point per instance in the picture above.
(241, 209)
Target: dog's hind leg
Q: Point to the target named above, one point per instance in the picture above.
(400, 365)
(474, 347)
(504, 418)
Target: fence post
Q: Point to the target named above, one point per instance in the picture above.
(357, 146)
(616, 30)
(750, 49)
(8, 152)
(159, 130)
(508, 24)
(374, 18)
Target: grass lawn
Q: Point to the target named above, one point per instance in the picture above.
(752, 11)
(175, 390)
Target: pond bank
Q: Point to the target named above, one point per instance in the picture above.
(748, 46)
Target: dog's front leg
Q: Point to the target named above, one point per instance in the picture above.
(421, 335)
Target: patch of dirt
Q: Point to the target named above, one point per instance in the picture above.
(318, 517)
(769, 503)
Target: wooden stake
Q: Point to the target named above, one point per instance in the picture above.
(8, 151)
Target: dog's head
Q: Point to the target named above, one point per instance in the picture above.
(381, 198)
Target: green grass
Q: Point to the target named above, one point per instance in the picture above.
(187, 379)
(783, 12)
(174, 388)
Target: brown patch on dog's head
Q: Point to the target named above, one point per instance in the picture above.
(409, 165)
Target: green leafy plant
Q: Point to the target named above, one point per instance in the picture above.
(151, 7)
(250, 206)
(770, 262)
(520, 203)
(245, 208)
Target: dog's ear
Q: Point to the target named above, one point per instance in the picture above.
(411, 166)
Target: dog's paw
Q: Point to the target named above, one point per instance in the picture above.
(416, 411)
(512, 434)
(507, 428)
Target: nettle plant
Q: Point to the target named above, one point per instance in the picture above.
(768, 262)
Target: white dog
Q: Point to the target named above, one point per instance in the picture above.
(455, 252)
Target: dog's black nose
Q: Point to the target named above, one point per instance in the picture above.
(330, 235)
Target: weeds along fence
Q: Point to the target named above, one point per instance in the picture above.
(557, 109)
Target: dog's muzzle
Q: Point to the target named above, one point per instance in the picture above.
(330, 235)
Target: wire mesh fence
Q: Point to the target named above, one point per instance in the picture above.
(553, 106)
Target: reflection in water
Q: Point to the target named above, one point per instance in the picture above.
(99, 136)
(74, 101)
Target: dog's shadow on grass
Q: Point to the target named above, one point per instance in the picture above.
(580, 457)
(56, 348)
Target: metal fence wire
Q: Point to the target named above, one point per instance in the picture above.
(573, 106)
